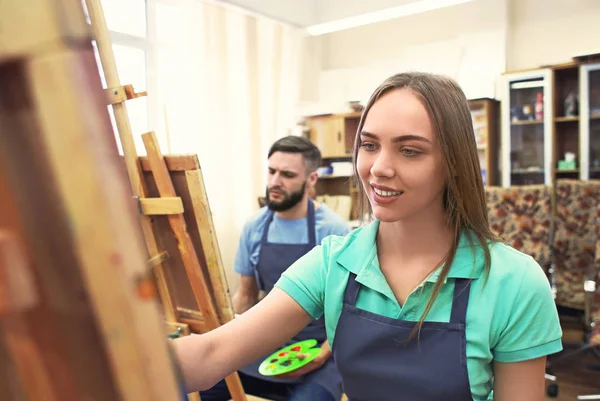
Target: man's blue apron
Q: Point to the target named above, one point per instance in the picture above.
(273, 260)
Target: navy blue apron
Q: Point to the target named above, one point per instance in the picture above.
(378, 364)
(273, 260)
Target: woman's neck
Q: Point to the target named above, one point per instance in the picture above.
(427, 237)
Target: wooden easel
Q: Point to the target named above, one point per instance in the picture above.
(78, 317)
(74, 322)
(175, 218)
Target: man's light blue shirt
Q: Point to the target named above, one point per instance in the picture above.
(282, 231)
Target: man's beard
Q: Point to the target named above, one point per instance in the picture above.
(288, 202)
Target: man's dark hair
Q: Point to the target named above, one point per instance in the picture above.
(297, 144)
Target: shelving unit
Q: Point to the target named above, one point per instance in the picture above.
(334, 135)
(485, 114)
(589, 90)
(527, 146)
(566, 127)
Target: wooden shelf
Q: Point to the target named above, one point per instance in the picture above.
(569, 171)
(566, 119)
(527, 122)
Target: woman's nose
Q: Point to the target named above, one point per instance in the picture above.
(383, 165)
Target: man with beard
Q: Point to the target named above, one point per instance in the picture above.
(289, 226)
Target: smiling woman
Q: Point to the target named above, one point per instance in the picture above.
(424, 303)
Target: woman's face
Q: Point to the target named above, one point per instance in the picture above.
(399, 159)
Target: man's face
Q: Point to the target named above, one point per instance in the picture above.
(287, 181)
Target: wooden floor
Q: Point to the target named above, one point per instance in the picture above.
(579, 375)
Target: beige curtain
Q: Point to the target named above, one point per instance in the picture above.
(229, 82)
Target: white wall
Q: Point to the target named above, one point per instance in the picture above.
(329, 10)
(551, 31)
(466, 42)
(473, 42)
(297, 12)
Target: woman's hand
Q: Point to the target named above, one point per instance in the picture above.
(313, 365)
(208, 358)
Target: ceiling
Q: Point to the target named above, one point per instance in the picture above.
(304, 13)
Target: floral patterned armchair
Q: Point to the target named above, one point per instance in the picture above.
(521, 216)
(565, 242)
(575, 240)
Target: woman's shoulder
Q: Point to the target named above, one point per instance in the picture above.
(516, 269)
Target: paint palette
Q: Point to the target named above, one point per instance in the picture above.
(286, 359)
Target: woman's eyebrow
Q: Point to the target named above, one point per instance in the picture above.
(400, 138)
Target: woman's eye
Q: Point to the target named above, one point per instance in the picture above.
(410, 152)
(367, 146)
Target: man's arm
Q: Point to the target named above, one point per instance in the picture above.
(246, 296)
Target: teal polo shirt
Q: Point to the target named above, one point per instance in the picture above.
(511, 316)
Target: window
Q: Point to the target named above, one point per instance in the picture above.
(124, 16)
(126, 22)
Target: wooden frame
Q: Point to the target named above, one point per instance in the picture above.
(80, 319)
(69, 225)
(189, 186)
(174, 251)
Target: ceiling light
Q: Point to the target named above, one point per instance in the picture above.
(413, 8)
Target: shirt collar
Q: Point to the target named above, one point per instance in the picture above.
(359, 256)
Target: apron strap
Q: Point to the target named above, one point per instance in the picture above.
(310, 221)
(461, 300)
(351, 290)
(459, 305)
(265, 233)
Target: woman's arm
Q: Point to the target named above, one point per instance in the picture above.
(520, 381)
(208, 358)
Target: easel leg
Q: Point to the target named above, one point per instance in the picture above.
(234, 384)
(194, 397)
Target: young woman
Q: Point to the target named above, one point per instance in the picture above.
(424, 303)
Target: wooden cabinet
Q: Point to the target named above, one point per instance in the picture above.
(334, 134)
(486, 125)
(326, 133)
